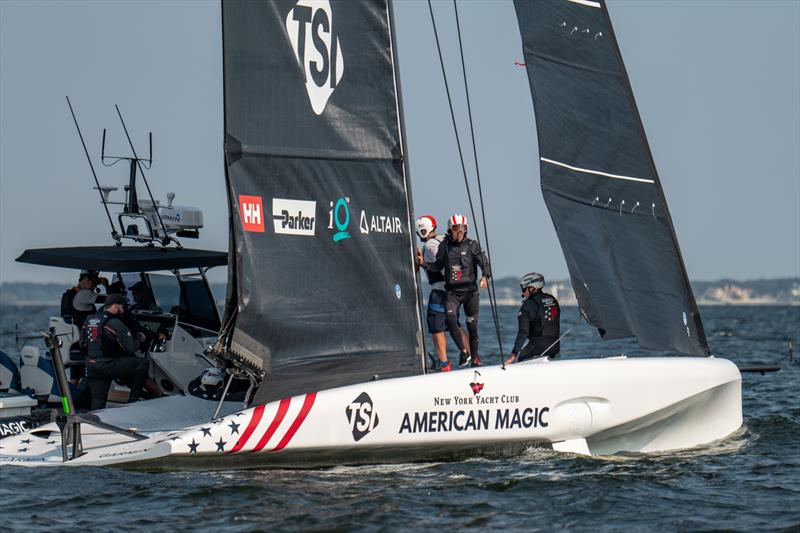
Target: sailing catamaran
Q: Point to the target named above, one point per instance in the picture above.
(323, 306)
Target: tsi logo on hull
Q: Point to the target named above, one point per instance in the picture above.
(294, 217)
(251, 209)
(317, 49)
(362, 416)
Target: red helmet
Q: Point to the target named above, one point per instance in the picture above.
(426, 225)
(457, 220)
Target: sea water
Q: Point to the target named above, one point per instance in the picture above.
(750, 481)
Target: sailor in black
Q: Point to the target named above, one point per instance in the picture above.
(539, 321)
(459, 257)
(112, 354)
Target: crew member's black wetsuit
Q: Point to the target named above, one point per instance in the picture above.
(460, 262)
(539, 323)
(112, 356)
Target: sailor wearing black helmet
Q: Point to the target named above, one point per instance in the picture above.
(459, 257)
(539, 321)
(111, 354)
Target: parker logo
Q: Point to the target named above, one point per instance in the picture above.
(251, 209)
(294, 217)
(316, 46)
(379, 224)
(362, 416)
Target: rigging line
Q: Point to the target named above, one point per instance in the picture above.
(492, 292)
(114, 233)
(580, 318)
(166, 238)
(453, 116)
(455, 126)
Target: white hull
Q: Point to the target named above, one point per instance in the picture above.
(590, 406)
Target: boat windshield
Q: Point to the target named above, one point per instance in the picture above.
(187, 296)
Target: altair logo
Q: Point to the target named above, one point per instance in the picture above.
(340, 216)
(362, 416)
(317, 49)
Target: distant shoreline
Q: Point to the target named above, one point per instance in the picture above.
(757, 292)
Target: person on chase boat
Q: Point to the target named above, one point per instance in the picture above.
(459, 257)
(539, 321)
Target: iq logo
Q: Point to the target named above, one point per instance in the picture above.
(251, 209)
(316, 46)
(362, 416)
(339, 216)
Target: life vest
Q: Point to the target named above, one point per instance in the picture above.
(100, 344)
(547, 322)
(67, 310)
(460, 271)
(90, 331)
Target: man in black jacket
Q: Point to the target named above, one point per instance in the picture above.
(459, 257)
(112, 354)
(539, 321)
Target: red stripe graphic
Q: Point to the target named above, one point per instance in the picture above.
(282, 408)
(307, 404)
(251, 426)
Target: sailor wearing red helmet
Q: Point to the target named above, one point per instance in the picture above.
(437, 300)
(459, 257)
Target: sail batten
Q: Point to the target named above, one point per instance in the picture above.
(600, 183)
(326, 290)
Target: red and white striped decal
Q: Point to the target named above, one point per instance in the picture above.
(251, 427)
(269, 432)
(301, 417)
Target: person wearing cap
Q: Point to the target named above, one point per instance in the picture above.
(77, 303)
(435, 316)
(459, 258)
(112, 355)
(539, 321)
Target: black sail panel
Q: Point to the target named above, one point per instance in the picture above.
(325, 288)
(599, 180)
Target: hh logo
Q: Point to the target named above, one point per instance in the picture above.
(251, 208)
(316, 46)
(362, 416)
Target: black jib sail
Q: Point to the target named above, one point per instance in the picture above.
(324, 291)
(599, 180)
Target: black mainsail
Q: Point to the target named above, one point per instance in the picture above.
(323, 286)
(599, 180)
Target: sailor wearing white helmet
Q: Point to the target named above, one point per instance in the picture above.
(437, 324)
(459, 257)
(539, 321)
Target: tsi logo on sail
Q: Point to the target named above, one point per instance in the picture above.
(317, 49)
(294, 217)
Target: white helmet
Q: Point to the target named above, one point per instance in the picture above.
(426, 225)
(212, 377)
(531, 279)
(457, 220)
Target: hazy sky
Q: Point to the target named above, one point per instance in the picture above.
(717, 84)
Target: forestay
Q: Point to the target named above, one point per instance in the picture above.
(322, 253)
(599, 180)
